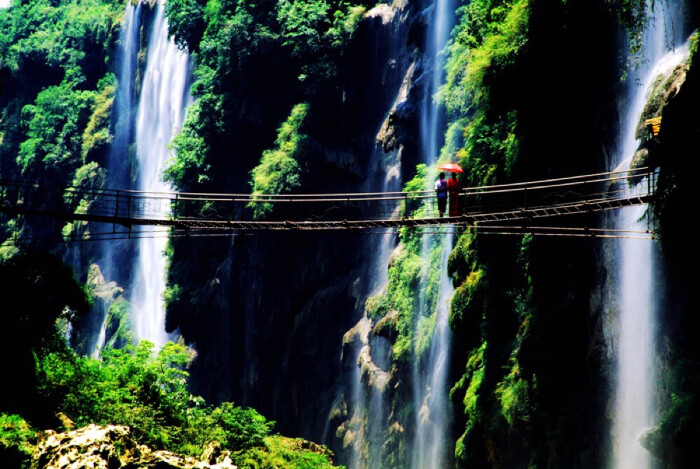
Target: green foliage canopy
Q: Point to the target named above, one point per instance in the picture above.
(279, 170)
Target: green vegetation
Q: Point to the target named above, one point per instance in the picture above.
(279, 452)
(17, 440)
(413, 286)
(469, 388)
(56, 92)
(146, 392)
(131, 386)
(118, 325)
(292, 48)
(632, 14)
(278, 171)
(191, 151)
(485, 48)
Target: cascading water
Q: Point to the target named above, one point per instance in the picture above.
(434, 408)
(442, 19)
(430, 384)
(118, 171)
(163, 100)
(634, 405)
(368, 405)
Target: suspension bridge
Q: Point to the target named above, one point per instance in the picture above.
(508, 205)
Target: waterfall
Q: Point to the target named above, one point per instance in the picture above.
(634, 400)
(430, 389)
(369, 402)
(163, 99)
(119, 172)
(432, 402)
(432, 122)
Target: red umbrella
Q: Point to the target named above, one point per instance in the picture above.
(451, 167)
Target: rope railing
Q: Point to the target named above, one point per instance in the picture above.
(513, 201)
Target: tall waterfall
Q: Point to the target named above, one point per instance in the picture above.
(430, 388)
(369, 402)
(441, 22)
(118, 166)
(161, 109)
(634, 402)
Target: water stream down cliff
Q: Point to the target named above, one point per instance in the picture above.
(636, 345)
(161, 111)
(543, 342)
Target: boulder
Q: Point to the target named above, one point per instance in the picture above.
(113, 447)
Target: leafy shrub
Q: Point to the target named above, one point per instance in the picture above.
(148, 392)
(17, 440)
(279, 171)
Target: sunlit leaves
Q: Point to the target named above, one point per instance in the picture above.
(279, 171)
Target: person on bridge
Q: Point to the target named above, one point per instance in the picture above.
(441, 193)
(453, 187)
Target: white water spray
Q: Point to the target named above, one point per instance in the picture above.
(119, 152)
(368, 401)
(634, 401)
(433, 416)
(430, 388)
(439, 32)
(161, 110)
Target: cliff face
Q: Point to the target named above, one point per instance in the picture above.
(530, 367)
(267, 312)
(680, 127)
(276, 319)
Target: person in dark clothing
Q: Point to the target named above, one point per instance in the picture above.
(453, 188)
(441, 193)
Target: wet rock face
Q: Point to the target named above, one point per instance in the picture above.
(401, 123)
(665, 88)
(112, 447)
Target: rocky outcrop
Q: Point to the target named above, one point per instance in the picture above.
(666, 86)
(400, 123)
(104, 294)
(113, 447)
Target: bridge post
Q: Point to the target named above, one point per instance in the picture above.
(116, 204)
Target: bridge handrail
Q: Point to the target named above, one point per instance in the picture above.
(643, 171)
(344, 197)
(496, 188)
